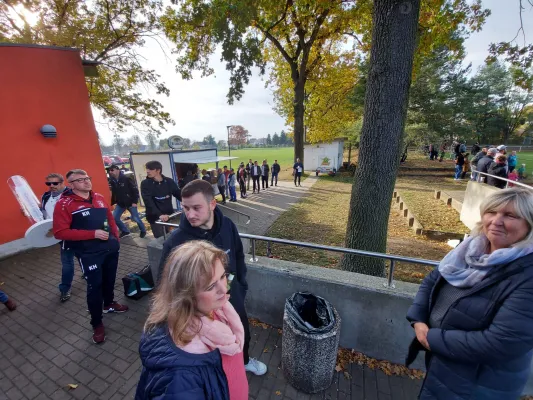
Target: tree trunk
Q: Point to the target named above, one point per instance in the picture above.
(299, 97)
(349, 154)
(394, 31)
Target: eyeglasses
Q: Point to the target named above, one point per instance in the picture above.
(80, 180)
(52, 183)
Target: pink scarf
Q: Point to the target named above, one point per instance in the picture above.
(225, 333)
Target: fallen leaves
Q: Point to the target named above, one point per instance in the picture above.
(257, 323)
(345, 357)
(278, 393)
(72, 386)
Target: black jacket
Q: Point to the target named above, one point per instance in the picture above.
(484, 346)
(124, 192)
(223, 235)
(255, 171)
(478, 157)
(498, 170)
(484, 164)
(157, 197)
(265, 170)
(275, 168)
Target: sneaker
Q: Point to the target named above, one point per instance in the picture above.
(114, 307)
(256, 367)
(99, 334)
(64, 296)
(124, 234)
(143, 234)
(11, 305)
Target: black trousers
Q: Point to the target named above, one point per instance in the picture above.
(158, 230)
(264, 181)
(100, 271)
(242, 186)
(274, 175)
(222, 190)
(256, 181)
(299, 176)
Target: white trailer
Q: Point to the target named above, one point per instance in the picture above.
(175, 164)
(323, 157)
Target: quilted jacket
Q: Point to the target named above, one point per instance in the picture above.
(483, 349)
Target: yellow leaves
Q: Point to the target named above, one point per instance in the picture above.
(278, 393)
(72, 386)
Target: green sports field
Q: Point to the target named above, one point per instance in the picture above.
(284, 155)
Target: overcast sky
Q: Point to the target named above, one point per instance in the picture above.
(200, 108)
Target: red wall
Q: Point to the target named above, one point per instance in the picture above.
(41, 86)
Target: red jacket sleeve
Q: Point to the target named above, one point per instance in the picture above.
(62, 221)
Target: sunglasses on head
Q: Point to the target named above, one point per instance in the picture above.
(52, 183)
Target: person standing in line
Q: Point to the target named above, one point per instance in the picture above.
(256, 173)
(484, 164)
(6, 301)
(157, 191)
(275, 172)
(193, 340)
(221, 184)
(512, 161)
(84, 219)
(498, 168)
(475, 148)
(49, 199)
(242, 180)
(264, 174)
(206, 176)
(249, 167)
(203, 220)
(297, 170)
(125, 196)
(226, 175)
(473, 164)
(232, 181)
(466, 165)
(459, 162)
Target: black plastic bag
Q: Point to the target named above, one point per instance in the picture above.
(310, 314)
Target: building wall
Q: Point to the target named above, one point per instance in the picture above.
(42, 85)
(315, 153)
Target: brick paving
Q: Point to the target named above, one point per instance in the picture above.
(46, 345)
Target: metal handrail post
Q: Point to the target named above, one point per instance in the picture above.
(269, 252)
(254, 258)
(390, 283)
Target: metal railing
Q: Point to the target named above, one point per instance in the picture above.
(391, 257)
(237, 212)
(509, 181)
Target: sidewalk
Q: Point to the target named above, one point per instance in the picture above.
(47, 345)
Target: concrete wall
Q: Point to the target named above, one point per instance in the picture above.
(373, 316)
(475, 193)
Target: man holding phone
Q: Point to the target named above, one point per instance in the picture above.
(84, 219)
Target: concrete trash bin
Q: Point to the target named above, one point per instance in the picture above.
(308, 359)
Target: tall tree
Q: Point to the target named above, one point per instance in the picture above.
(275, 139)
(118, 143)
(395, 24)
(209, 140)
(109, 32)
(269, 140)
(238, 135)
(283, 139)
(134, 142)
(151, 140)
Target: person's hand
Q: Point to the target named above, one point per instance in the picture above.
(50, 233)
(100, 234)
(421, 331)
(134, 205)
(163, 217)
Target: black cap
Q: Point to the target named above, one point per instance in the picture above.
(112, 167)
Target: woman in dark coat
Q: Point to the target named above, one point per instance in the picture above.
(473, 315)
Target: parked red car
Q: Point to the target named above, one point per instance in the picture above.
(108, 160)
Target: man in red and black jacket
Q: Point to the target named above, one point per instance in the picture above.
(85, 221)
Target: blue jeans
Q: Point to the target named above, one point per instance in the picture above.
(458, 171)
(3, 297)
(67, 269)
(117, 213)
(233, 193)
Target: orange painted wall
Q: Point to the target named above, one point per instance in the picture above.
(41, 86)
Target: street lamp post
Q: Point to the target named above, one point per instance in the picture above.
(229, 145)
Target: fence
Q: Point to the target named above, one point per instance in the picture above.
(390, 257)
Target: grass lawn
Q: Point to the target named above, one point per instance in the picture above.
(322, 217)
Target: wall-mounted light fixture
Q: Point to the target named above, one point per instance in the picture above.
(49, 131)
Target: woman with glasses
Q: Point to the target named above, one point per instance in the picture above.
(193, 338)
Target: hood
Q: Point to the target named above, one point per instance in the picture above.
(71, 195)
(199, 232)
(158, 352)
